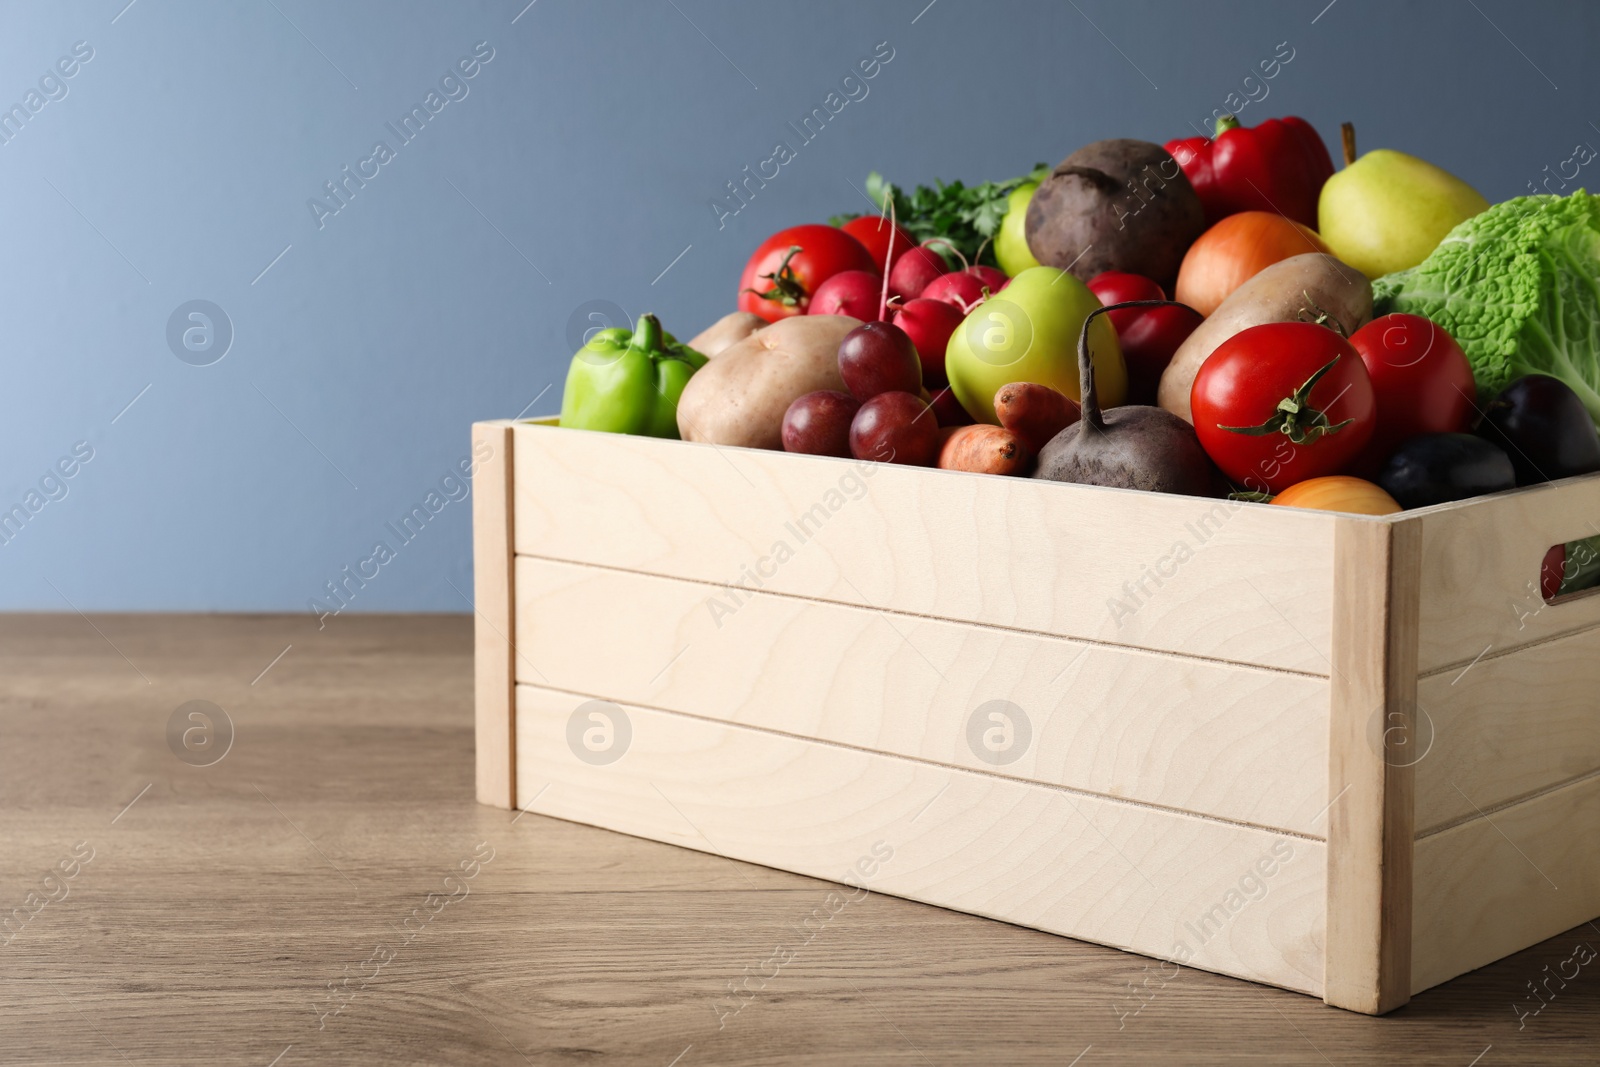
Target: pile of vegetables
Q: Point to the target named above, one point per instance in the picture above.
(1022, 328)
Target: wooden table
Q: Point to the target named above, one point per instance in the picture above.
(327, 891)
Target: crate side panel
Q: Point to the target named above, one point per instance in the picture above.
(1499, 884)
(1220, 897)
(1509, 726)
(1238, 743)
(1480, 567)
(494, 630)
(1202, 577)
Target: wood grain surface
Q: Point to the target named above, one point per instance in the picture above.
(1505, 878)
(1508, 726)
(494, 612)
(1370, 805)
(220, 905)
(1179, 574)
(1241, 743)
(1233, 899)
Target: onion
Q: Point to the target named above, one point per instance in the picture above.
(1235, 250)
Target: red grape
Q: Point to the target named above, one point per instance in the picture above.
(819, 423)
(949, 409)
(879, 358)
(896, 427)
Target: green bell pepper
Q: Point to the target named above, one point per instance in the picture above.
(629, 381)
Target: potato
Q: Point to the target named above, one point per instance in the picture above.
(726, 332)
(1116, 205)
(739, 398)
(1290, 289)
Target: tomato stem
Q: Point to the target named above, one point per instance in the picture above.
(1294, 417)
(786, 288)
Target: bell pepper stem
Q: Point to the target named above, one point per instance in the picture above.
(647, 334)
(1224, 124)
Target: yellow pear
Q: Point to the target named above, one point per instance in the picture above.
(1386, 211)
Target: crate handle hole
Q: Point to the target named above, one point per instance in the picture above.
(1569, 570)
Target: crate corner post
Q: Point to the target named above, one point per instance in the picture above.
(1371, 813)
(494, 637)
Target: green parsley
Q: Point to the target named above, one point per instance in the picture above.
(966, 216)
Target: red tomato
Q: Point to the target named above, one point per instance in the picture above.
(1149, 336)
(1280, 403)
(873, 232)
(787, 268)
(1422, 380)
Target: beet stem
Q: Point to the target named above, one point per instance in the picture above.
(1086, 387)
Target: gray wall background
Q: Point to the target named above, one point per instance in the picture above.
(176, 165)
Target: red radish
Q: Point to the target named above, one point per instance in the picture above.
(995, 278)
(949, 410)
(960, 289)
(929, 324)
(850, 292)
(914, 271)
(874, 232)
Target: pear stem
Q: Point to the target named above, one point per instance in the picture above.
(1347, 133)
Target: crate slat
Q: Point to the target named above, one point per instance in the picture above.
(1118, 874)
(1480, 571)
(1495, 885)
(1240, 582)
(1509, 726)
(1244, 744)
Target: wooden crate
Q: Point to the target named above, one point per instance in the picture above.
(1347, 756)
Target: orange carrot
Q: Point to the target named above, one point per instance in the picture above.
(984, 449)
(1035, 413)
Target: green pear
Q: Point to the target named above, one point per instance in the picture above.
(1387, 210)
(1011, 243)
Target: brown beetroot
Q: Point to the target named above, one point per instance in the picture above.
(1116, 205)
(1034, 412)
(984, 449)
